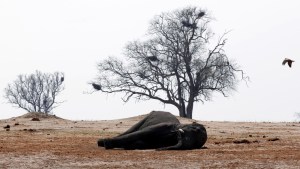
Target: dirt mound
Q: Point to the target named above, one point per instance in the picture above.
(40, 116)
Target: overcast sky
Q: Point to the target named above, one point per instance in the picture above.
(73, 36)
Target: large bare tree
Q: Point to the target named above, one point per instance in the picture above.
(35, 92)
(176, 64)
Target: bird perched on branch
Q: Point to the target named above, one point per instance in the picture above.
(96, 86)
(62, 79)
(201, 14)
(142, 74)
(152, 58)
(289, 61)
(189, 25)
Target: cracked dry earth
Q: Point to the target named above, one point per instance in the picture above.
(53, 142)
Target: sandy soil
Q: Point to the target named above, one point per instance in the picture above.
(58, 143)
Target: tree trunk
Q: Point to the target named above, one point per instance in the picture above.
(189, 109)
(186, 112)
(181, 112)
(181, 107)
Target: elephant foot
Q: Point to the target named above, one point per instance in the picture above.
(107, 144)
(101, 143)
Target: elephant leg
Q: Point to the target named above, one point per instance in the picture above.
(136, 139)
(101, 142)
(139, 144)
(134, 127)
(177, 146)
(130, 130)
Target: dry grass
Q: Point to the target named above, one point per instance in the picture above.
(59, 143)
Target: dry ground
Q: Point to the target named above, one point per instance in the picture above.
(57, 143)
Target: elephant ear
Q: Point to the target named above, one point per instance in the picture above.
(194, 136)
(201, 134)
(177, 146)
(197, 127)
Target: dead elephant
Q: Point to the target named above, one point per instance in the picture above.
(159, 130)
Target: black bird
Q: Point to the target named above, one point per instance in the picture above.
(96, 86)
(142, 74)
(189, 25)
(186, 24)
(152, 58)
(194, 26)
(289, 61)
(201, 14)
(62, 79)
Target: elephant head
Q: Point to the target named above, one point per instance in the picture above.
(193, 136)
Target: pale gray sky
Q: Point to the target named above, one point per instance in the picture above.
(72, 36)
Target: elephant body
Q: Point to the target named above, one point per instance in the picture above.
(159, 130)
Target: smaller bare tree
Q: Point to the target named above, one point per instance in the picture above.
(35, 92)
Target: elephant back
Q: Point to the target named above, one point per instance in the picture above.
(157, 117)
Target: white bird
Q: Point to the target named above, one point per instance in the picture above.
(289, 61)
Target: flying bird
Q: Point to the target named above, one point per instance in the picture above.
(96, 86)
(289, 61)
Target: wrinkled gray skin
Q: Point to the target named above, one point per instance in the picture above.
(159, 130)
